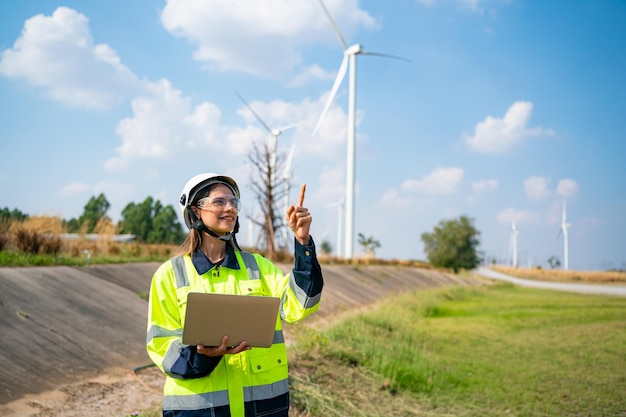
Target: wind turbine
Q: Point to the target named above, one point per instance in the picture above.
(564, 226)
(349, 60)
(339, 206)
(513, 244)
(272, 142)
(273, 138)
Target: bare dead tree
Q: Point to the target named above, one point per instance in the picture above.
(269, 188)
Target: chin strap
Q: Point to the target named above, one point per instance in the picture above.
(198, 225)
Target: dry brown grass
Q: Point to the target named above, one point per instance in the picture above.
(559, 275)
(41, 235)
(330, 259)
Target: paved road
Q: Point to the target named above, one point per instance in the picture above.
(560, 286)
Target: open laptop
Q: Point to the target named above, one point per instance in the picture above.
(210, 316)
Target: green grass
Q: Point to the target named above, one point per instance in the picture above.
(490, 351)
(20, 259)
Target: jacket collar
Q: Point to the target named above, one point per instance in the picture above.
(203, 264)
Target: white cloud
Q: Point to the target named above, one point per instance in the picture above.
(536, 188)
(500, 135)
(270, 34)
(276, 114)
(74, 188)
(394, 199)
(509, 215)
(166, 123)
(440, 181)
(567, 188)
(312, 72)
(57, 53)
(484, 186)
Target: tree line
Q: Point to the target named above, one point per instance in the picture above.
(452, 244)
(150, 221)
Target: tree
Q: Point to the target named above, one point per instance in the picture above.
(165, 227)
(369, 244)
(151, 222)
(12, 215)
(554, 262)
(326, 247)
(453, 244)
(137, 218)
(95, 210)
(269, 189)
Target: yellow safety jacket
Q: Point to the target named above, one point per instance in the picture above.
(196, 382)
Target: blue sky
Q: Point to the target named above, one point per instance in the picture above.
(506, 109)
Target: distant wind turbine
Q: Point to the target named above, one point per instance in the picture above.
(513, 244)
(349, 59)
(564, 226)
(273, 138)
(339, 206)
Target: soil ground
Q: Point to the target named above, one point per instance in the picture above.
(73, 339)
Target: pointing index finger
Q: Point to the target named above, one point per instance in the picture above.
(301, 197)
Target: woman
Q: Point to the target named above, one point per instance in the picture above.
(227, 380)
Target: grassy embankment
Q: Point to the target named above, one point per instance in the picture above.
(491, 351)
(498, 350)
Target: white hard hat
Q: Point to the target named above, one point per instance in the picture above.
(197, 184)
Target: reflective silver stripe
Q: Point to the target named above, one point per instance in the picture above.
(158, 331)
(195, 402)
(179, 272)
(171, 356)
(220, 398)
(251, 265)
(305, 300)
(264, 392)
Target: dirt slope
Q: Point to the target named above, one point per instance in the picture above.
(70, 337)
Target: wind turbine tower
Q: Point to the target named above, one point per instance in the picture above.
(564, 226)
(349, 60)
(513, 244)
(339, 206)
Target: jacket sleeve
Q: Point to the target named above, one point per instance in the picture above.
(307, 271)
(164, 339)
(300, 290)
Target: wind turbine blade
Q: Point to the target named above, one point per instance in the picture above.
(287, 127)
(254, 113)
(386, 56)
(340, 76)
(332, 22)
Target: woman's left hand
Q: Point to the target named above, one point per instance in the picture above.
(300, 219)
